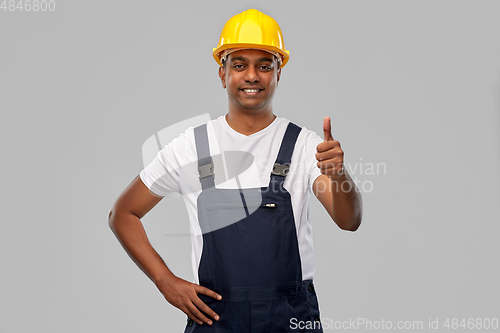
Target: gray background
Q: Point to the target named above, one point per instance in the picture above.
(412, 84)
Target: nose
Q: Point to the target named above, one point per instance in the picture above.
(252, 75)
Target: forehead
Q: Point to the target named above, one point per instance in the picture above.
(251, 55)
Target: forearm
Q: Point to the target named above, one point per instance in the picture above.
(129, 230)
(346, 203)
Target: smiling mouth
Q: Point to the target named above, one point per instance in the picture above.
(251, 90)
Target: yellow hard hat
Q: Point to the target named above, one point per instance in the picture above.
(251, 29)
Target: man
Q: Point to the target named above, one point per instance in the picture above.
(252, 239)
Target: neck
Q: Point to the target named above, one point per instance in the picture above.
(248, 124)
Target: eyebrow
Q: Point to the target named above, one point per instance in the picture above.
(245, 59)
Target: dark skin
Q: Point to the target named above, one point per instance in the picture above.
(250, 78)
(124, 220)
(247, 69)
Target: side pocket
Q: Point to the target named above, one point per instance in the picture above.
(294, 315)
(315, 314)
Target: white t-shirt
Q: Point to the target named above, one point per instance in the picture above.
(175, 169)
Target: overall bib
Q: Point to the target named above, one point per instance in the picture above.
(250, 252)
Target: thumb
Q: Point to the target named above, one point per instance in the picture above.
(327, 129)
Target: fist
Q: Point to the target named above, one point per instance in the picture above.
(329, 154)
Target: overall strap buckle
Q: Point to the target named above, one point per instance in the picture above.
(206, 170)
(205, 162)
(284, 158)
(280, 169)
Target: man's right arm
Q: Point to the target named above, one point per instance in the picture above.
(124, 220)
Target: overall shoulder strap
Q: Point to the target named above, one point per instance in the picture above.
(282, 164)
(205, 163)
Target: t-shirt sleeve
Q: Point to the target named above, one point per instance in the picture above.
(162, 175)
(313, 140)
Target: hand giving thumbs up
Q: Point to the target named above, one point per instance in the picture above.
(329, 154)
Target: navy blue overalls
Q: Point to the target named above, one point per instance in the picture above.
(252, 261)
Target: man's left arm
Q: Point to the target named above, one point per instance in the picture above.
(335, 189)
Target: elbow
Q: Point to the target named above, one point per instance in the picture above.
(118, 219)
(111, 219)
(352, 225)
(353, 220)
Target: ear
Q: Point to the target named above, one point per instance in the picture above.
(222, 75)
(278, 75)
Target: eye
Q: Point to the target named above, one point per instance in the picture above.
(266, 67)
(238, 66)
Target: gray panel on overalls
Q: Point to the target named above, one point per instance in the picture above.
(250, 252)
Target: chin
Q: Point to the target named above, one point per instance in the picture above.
(254, 108)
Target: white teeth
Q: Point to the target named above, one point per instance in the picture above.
(250, 90)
